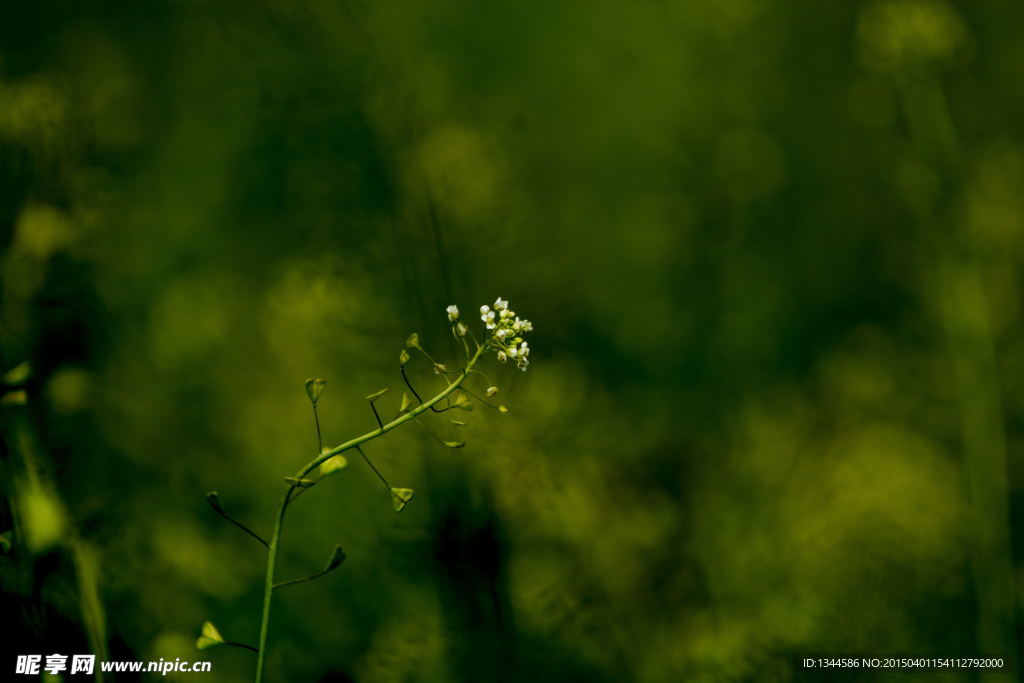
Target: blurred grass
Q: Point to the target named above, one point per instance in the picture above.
(773, 252)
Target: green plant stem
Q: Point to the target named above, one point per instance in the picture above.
(242, 527)
(268, 585)
(275, 539)
(243, 646)
(292, 582)
(397, 422)
(319, 438)
(374, 468)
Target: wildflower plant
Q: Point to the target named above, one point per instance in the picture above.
(502, 335)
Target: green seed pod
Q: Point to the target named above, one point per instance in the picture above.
(314, 387)
(210, 637)
(400, 498)
(337, 557)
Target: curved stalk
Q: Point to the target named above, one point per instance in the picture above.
(275, 539)
(397, 422)
(304, 579)
(268, 585)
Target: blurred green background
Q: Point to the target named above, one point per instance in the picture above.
(773, 252)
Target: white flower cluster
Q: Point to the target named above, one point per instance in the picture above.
(506, 333)
(506, 330)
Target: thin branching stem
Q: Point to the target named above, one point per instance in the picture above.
(376, 415)
(408, 383)
(460, 338)
(292, 582)
(319, 448)
(319, 438)
(427, 355)
(324, 455)
(239, 645)
(473, 337)
(268, 584)
(480, 398)
(432, 434)
(484, 375)
(242, 527)
(405, 378)
(373, 467)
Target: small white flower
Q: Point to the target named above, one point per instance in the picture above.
(502, 357)
(488, 318)
(484, 309)
(501, 334)
(491, 391)
(524, 350)
(500, 304)
(512, 351)
(507, 313)
(523, 364)
(453, 312)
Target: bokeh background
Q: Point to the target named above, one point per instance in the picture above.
(773, 252)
